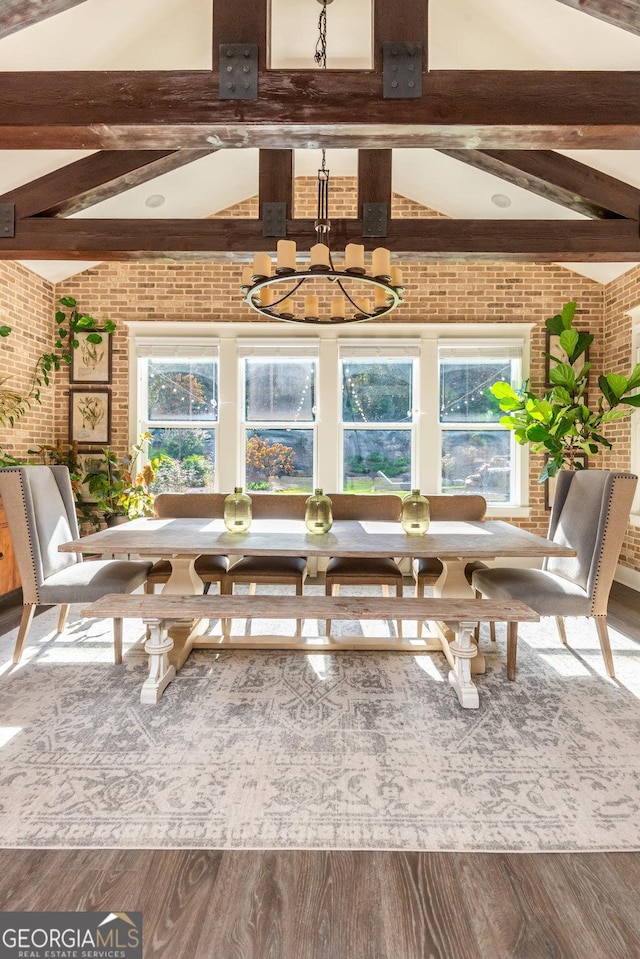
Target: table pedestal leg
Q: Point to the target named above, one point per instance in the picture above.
(158, 647)
(454, 583)
(184, 581)
(460, 675)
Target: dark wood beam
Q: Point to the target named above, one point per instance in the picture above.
(235, 239)
(619, 13)
(246, 21)
(403, 20)
(459, 109)
(17, 14)
(102, 175)
(275, 178)
(558, 178)
(374, 178)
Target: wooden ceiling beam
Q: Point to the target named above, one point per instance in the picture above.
(402, 20)
(557, 178)
(619, 13)
(246, 21)
(476, 109)
(275, 178)
(88, 181)
(236, 239)
(374, 178)
(17, 14)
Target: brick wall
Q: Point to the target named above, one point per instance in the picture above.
(26, 305)
(620, 295)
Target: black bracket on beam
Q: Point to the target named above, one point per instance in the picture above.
(7, 220)
(238, 71)
(274, 219)
(374, 219)
(401, 71)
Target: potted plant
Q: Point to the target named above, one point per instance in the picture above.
(561, 423)
(120, 491)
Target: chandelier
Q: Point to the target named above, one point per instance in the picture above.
(275, 290)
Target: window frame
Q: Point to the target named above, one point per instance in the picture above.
(233, 338)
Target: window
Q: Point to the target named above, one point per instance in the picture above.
(477, 453)
(279, 417)
(377, 419)
(178, 396)
(363, 413)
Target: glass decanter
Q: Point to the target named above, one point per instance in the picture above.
(317, 514)
(237, 511)
(415, 513)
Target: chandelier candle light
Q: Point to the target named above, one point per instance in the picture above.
(271, 290)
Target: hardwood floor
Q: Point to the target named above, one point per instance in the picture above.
(344, 905)
(349, 905)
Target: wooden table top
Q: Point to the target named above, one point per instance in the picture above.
(202, 536)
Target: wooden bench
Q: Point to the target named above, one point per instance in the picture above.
(160, 611)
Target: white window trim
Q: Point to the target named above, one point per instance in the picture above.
(231, 338)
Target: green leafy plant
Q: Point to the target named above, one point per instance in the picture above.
(560, 423)
(118, 488)
(69, 322)
(60, 455)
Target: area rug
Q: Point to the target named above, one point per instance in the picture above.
(252, 750)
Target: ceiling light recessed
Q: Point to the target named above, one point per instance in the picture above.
(155, 200)
(499, 199)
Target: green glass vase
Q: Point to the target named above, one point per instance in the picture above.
(415, 513)
(317, 514)
(237, 511)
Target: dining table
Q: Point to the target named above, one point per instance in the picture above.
(182, 540)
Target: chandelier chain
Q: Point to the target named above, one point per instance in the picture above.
(320, 55)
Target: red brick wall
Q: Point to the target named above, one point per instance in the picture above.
(620, 295)
(26, 305)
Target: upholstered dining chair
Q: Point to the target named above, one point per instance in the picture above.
(589, 514)
(210, 569)
(272, 570)
(380, 571)
(41, 515)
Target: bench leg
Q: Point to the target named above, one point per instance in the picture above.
(460, 676)
(158, 646)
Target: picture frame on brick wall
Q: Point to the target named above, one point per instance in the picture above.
(92, 362)
(90, 416)
(552, 345)
(550, 484)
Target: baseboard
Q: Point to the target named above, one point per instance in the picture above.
(628, 577)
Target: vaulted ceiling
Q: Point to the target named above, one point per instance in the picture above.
(120, 135)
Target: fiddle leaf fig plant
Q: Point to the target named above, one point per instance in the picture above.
(560, 423)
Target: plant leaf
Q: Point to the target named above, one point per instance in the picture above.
(568, 342)
(568, 313)
(617, 383)
(67, 301)
(634, 379)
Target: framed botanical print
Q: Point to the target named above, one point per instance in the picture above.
(552, 345)
(90, 417)
(91, 362)
(550, 484)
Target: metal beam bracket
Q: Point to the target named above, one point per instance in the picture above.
(7, 220)
(238, 71)
(401, 71)
(374, 219)
(274, 219)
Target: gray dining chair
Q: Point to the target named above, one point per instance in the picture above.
(41, 514)
(590, 514)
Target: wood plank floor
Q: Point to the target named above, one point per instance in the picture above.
(349, 905)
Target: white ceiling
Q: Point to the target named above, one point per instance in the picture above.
(464, 34)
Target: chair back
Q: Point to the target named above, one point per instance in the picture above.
(177, 505)
(354, 506)
(590, 514)
(41, 514)
(465, 507)
(278, 505)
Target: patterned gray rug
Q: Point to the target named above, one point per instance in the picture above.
(254, 750)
